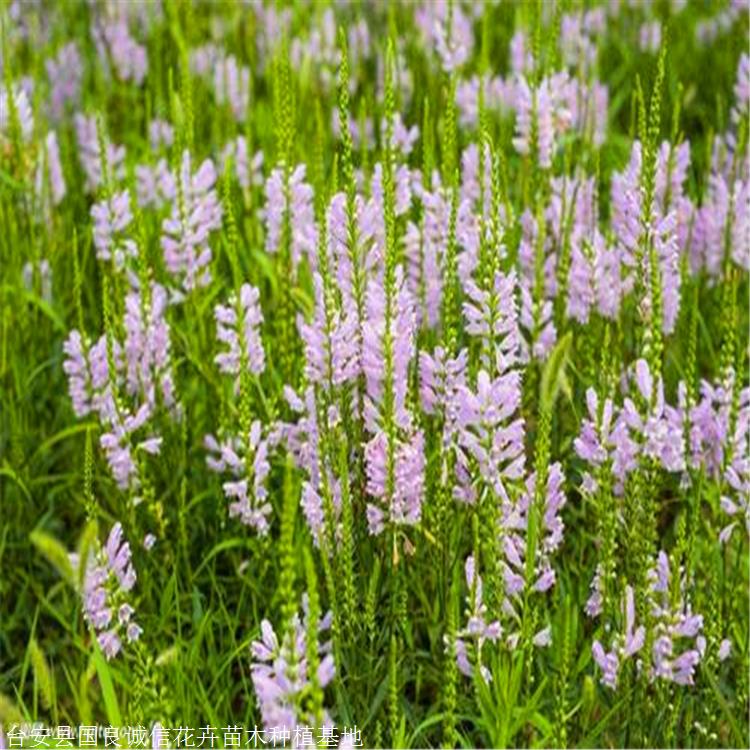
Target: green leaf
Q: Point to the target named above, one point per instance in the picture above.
(44, 306)
(553, 378)
(303, 301)
(197, 606)
(729, 715)
(62, 435)
(7, 471)
(111, 706)
(591, 738)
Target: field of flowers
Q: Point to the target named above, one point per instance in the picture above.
(374, 374)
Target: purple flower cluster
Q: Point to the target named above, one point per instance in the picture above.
(404, 137)
(477, 631)
(623, 646)
(708, 29)
(725, 211)
(653, 428)
(404, 180)
(155, 185)
(555, 106)
(542, 109)
(196, 212)
(442, 384)
(482, 425)
(112, 218)
(395, 460)
(23, 111)
(117, 443)
(148, 368)
(736, 500)
(649, 37)
(492, 316)
(49, 182)
(401, 504)
(108, 578)
(362, 133)
(709, 424)
(330, 339)
(90, 155)
(514, 527)
(65, 73)
(249, 170)
(281, 676)
(115, 44)
(490, 432)
(54, 169)
(441, 380)
(742, 87)
(42, 271)
(595, 442)
(142, 362)
(88, 373)
(425, 245)
(452, 42)
(296, 198)
(367, 225)
(471, 179)
(580, 33)
(521, 57)
(644, 427)
(238, 327)
(675, 626)
(247, 460)
(498, 97)
(232, 86)
(228, 80)
(319, 47)
(536, 320)
(595, 601)
(302, 440)
(160, 133)
(661, 232)
(488, 426)
(402, 332)
(319, 50)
